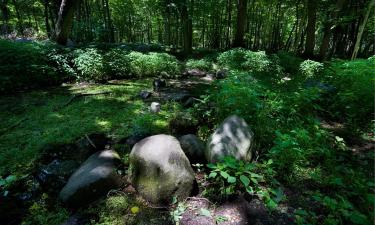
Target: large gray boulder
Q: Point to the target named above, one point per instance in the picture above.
(96, 176)
(193, 148)
(159, 169)
(232, 138)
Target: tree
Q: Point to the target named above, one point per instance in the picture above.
(361, 29)
(310, 29)
(65, 20)
(241, 23)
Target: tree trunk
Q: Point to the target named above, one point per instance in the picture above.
(328, 30)
(361, 29)
(187, 28)
(65, 20)
(5, 13)
(310, 29)
(241, 23)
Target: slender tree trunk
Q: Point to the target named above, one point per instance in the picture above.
(241, 23)
(19, 18)
(310, 29)
(187, 27)
(361, 29)
(65, 20)
(5, 13)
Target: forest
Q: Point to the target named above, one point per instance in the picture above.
(187, 112)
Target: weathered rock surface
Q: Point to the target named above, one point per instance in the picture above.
(155, 107)
(160, 170)
(93, 179)
(193, 148)
(232, 138)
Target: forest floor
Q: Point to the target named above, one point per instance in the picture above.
(35, 122)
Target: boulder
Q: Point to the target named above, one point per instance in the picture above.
(159, 170)
(221, 74)
(193, 148)
(93, 179)
(232, 138)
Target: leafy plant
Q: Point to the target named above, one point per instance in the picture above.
(231, 175)
(202, 64)
(90, 65)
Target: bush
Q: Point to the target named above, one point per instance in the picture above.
(202, 64)
(117, 64)
(152, 64)
(26, 65)
(289, 62)
(354, 101)
(311, 69)
(241, 59)
(90, 65)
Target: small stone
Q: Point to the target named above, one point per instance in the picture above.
(155, 107)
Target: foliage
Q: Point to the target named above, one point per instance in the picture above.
(90, 65)
(27, 65)
(354, 100)
(231, 175)
(117, 64)
(40, 213)
(114, 210)
(241, 59)
(310, 68)
(153, 64)
(290, 62)
(202, 64)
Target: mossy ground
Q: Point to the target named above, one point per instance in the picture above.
(32, 121)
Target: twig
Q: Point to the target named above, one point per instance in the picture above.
(89, 140)
(80, 95)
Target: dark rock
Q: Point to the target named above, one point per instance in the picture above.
(232, 138)
(158, 84)
(183, 124)
(176, 96)
(160, 170)
(133, 139)
(193, 148)
(321, 86)
(145, 94)
(56, 174)
(221, 74)
(195, 73)
(92, 180)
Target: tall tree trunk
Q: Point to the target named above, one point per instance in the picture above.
(328, 29)
(5, 13)
(65, 20)
(187, 27)
(19, 17)
(241, 23)
(310, 29)
(361, 29)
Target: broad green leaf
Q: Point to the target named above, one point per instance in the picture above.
(212, 175)
(231, 179)
(245, 180)
(224, 174)
(205, 212)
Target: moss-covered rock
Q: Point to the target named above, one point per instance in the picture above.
(159, 169)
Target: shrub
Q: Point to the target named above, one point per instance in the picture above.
(289, 62)
(152, 64)
(90, 65)
(353, 102)
(231, 175)
(256, 62)
(117, 64)
(241, 59)
(26, 65)
(233, 58)
(202, 64)
(310, 68)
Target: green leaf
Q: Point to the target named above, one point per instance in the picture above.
(212, 175)
(224, 174)
(245, 180)
(205, 212)
(255, 181)
(231, 179)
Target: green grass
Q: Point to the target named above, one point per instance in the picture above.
(45, 122)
